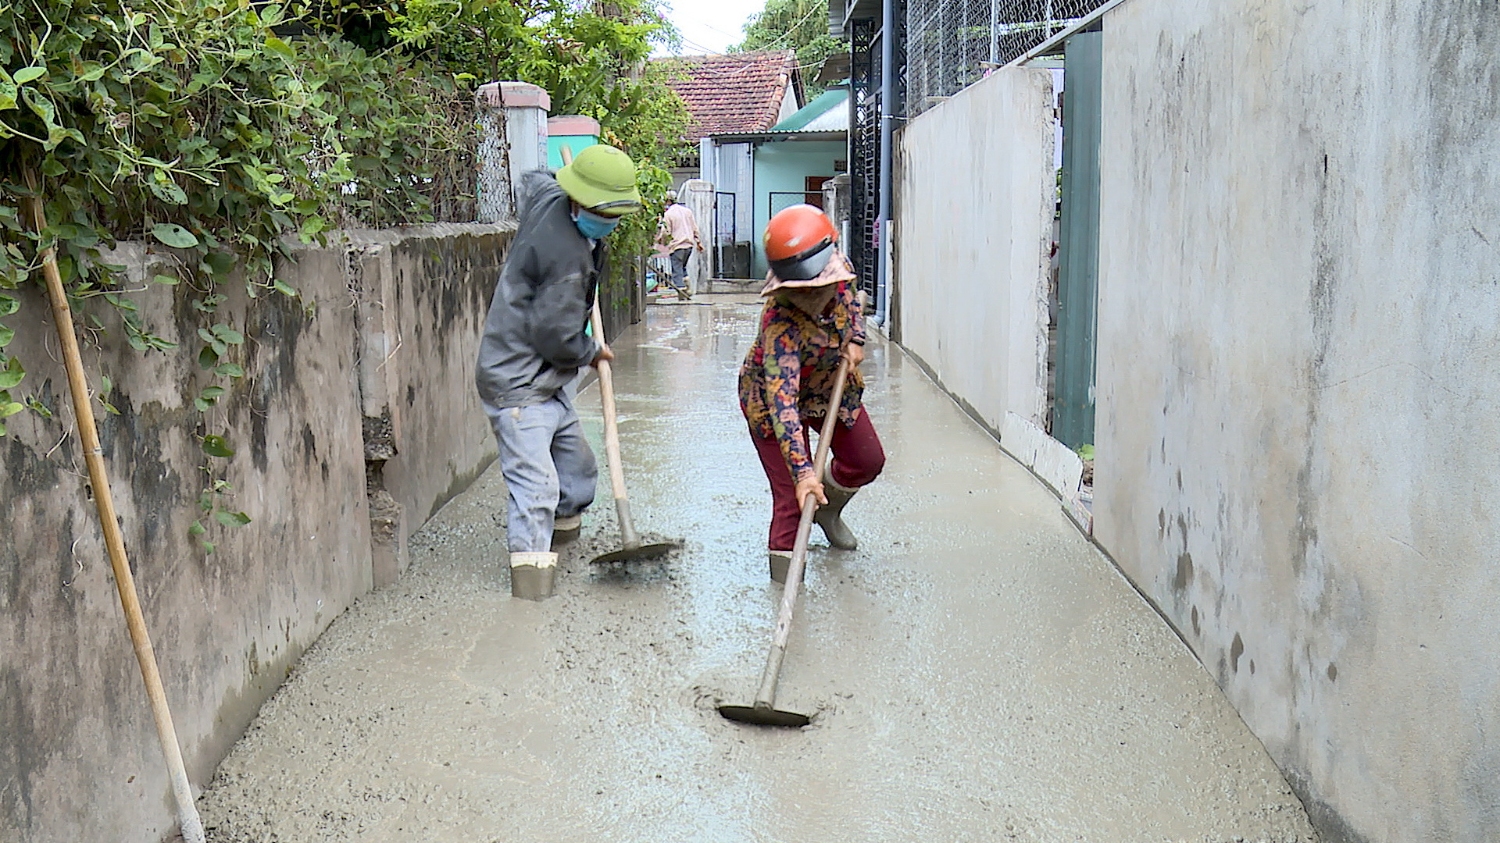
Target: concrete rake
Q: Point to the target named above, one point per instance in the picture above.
(763, 711)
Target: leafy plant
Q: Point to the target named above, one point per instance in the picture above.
(800, 25)
(196, 126)
(222, 131)
(192, 124)
(591, 58)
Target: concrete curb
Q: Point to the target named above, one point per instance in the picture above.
(1048, 460)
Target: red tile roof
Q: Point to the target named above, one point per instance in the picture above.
(741, 92)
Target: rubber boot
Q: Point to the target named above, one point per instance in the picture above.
(532, 575)
(781, 562)
(828, 517)
(566, 529)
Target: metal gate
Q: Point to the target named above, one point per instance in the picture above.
(1078, 283)
(726, 234)
(783, 199)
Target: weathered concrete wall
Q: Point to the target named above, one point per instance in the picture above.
(423, 296)
(973, 217)
(1299, 383)
(79, 758)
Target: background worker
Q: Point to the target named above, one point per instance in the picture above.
(678, 233)
(811, 320)
(534, 345)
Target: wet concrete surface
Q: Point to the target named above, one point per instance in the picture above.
(976, 670)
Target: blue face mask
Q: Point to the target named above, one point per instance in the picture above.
(594, 226)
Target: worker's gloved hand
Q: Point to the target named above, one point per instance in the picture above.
(810, 485)
(855, 354)
(603, 355)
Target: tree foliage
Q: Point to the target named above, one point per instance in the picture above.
(591, 58)
(800, 25)
(193, 124)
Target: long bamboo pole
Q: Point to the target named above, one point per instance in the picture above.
(88, 433)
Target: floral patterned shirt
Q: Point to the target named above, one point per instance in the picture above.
(787, 377)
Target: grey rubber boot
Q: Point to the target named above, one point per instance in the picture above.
(781, 562)
(566, 529)
(533, 575)
(828, 517)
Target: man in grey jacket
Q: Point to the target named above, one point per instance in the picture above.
(535, 343)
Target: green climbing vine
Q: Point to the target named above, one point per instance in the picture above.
(194, 124)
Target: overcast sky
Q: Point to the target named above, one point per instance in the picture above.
(711, 26)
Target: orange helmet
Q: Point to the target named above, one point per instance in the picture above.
(799, 242)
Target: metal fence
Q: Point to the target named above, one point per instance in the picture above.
(864, 149)
(725, 214)
(783, 199)
(951, 44)
(731, 256)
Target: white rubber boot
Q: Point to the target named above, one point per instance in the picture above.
(829, 517)
(533, 575)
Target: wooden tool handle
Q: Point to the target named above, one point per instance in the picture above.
(766, 697)
(809, 508)
(628, 535)
(93, 455)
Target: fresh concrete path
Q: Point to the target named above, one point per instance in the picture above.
(977, 669)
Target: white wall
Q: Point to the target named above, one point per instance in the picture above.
(698, 195)
(974, 213)
(1299, 383)
(789, 103)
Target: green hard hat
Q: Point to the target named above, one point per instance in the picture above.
(602, 179)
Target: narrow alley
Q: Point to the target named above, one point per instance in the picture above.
(977, 670)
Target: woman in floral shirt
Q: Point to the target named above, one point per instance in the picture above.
(811, 320)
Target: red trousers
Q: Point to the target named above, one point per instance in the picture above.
(857, 460)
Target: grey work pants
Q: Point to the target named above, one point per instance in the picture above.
(548, 466)
(679, 268)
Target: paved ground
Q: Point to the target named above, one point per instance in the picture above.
(977, 670)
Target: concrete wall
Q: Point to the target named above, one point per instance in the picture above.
(683, 175)
(424, 295)
(783, 167)
(79, 758)
(974, 204)
(574, 131)
(789, 103)
(698, 195)
(1299, 383)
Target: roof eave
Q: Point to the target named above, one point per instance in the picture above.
(776, 137)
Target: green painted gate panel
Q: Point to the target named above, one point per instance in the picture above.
(1078, 284)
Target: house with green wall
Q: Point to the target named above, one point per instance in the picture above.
(741, 94)
(761, 173)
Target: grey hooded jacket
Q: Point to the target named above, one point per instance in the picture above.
(534, 341)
